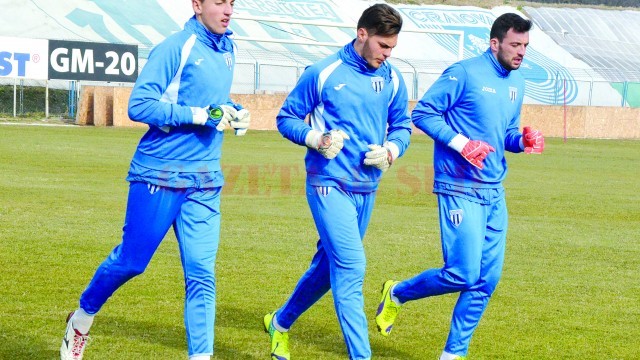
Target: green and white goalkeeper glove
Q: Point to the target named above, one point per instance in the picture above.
(381, 157)
(214, 116)
(241, 122)
(328, 144)
(221, 116)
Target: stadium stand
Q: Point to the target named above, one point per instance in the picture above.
(277, 40)
(607, 40)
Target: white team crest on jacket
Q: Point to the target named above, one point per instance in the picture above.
(152, 188)
(228, 59)
(377, 83)
(323, 190)
(513, 93)
(456, 217)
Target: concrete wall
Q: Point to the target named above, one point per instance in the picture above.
(584, 122)
(107, 106)
(84, 115)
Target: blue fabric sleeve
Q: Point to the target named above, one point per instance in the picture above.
(428, 115)
(154, 79)
(399, 121)
(300, 102)
(513, 135)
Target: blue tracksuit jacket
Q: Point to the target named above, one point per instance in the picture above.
(481, 100)
(174, 153)
(342, 92)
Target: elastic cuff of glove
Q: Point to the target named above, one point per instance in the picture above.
(522, 143)
(313, 139)
(393, 148)
(458, 142)
(200, 115)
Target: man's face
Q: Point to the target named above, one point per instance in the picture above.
(510, 51)
(215, 15)
(376, 49)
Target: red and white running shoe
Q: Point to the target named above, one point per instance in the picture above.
(73, 343)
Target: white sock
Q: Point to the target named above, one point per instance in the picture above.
(200, 357)
(393, 298)
(446, 356)
(275, 324)
(82, 321)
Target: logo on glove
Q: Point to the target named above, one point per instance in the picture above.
(216, 113)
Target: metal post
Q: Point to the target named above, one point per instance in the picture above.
(72, 99)
(416, 95)
(257, 78)
(555, 101)
(21, 96)
(46, 99)
(564, 107)
(15, 81)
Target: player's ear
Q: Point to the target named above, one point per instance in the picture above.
(197, 6)
(494, 43)
(362, 34)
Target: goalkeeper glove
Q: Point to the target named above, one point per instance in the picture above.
(214, 116)
(241, 122)
(327, 144)
(474, 151)
(381, 157)
(532, 141)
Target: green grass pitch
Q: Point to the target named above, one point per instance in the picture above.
(570, 288)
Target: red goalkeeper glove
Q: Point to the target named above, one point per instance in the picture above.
(532, 140)
(475, 151)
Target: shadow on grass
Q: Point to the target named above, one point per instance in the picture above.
(324, 337)
(316, 336)
(18, 346)
(159, 334)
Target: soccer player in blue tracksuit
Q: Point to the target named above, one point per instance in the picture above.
(359, 124)
(175, 176)
(472, 112)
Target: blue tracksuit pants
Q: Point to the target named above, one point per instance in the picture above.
(341, 218)
(151, 211)
(473, 237)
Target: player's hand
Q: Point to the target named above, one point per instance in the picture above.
(380, 157)
(327, 144)
(532, 140)
(475, 151)
(214, 116)
(220, 116)
(241, 122)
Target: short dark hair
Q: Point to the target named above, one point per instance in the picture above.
(507, 21)
(381, 19)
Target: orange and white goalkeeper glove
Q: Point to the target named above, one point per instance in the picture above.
(474, 151)
(532, 141)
